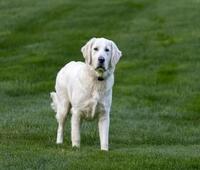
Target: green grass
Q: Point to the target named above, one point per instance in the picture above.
(155, 119)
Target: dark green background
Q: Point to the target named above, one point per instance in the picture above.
(155, 119)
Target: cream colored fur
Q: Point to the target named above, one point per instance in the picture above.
(79, 91)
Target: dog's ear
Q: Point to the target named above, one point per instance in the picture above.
(87, 50)
(116, 54)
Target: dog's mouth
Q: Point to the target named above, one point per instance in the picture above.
(100, 69)
(100, 72)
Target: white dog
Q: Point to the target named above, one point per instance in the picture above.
(85, 89)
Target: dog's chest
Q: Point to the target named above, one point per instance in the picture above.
(93, 106)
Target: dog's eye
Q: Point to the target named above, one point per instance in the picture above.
(96, 49)
(107, 50)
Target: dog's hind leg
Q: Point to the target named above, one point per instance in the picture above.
(61, 114)
(62, 106)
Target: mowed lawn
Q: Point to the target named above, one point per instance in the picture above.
(155, 117)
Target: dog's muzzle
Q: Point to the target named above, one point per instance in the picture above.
(100, 72)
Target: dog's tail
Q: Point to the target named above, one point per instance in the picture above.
(54, 103)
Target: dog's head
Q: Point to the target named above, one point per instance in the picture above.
(101, 54)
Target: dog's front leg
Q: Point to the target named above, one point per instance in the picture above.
(104, 122)
(75, 129)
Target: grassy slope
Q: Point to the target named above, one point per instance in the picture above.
(156, 103)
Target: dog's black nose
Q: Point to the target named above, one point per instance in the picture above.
(101, 59)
